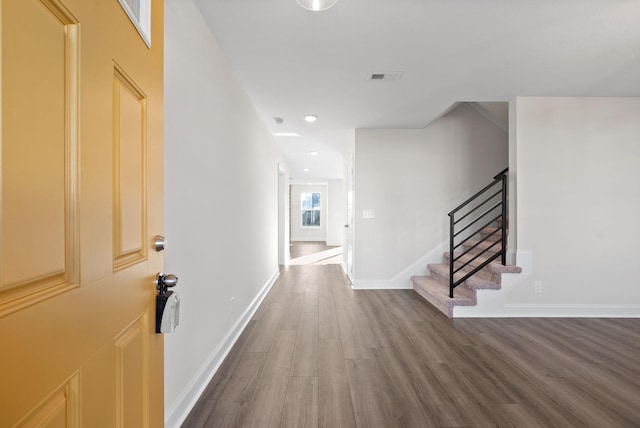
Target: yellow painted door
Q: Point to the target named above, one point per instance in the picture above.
(81, 199)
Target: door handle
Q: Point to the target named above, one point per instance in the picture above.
(163, 282)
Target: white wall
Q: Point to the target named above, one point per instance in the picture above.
(335, 212)
(299, 233)
(578, 202)
(412, 179)
(221, 214)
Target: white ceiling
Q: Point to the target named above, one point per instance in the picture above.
(294, 62)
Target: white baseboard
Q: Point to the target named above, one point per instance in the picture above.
(176, 415)
(493, 303)
(553, 311)
(402, 280)
(575, 311)
(334, 243)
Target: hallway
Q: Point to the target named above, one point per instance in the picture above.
(317, 354)
(314, 253)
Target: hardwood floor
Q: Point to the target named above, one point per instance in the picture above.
(304, 248)
(318, 354)
(314, 253)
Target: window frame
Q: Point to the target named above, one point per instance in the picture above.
(140, 20)
(303, 210)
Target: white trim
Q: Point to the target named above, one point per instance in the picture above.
(176, 415)
(143, 24)
(402, 280)
(555, 311)
(575, 310)
(493, 303)
(334, 244)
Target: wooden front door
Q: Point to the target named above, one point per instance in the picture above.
(81, 199)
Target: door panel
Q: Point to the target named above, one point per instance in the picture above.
(39, 196)
(129, 199)
(60, 409)
(132, 368)
(81, 127)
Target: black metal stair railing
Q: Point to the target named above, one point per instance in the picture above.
(493, 198)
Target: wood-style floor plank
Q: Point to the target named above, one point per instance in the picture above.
(301, 403)
(305, 355)
(334, 399)
(266, 407)
(328, 321)
(319, 354)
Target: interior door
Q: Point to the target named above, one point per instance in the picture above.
(349, 225)
(81, 199)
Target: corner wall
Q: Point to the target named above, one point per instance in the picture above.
(578, 205)
(412, 179)
(221, 205)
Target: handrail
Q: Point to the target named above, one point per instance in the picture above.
(501, 173)
(501, 178)
(478, 206)
(474, 197)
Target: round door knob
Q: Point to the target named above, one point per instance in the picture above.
(165, 281)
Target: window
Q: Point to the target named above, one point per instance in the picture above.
(310, 206)
(139, 12)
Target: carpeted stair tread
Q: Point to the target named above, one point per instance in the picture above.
(440, 272)
(482, 245)
(494, 267)
(437, 293)
(489, 230)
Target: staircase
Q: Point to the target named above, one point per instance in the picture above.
(478, 247)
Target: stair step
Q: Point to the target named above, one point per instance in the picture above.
(494, 267)
(481, 246)
(440, 272)
(486, 272)
(489, 230)
(437, 293)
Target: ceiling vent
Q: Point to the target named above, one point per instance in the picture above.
(386, 76)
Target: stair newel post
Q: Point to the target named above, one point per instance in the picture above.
(504, 218)
(451, 258)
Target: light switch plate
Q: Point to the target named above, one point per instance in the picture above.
(368, 214)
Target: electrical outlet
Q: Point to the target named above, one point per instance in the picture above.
(232, 305)
(537, 287)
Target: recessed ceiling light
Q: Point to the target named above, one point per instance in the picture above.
(306, 170)
(313, 153)
(286, 134)
(316, 5)
(311, 118)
